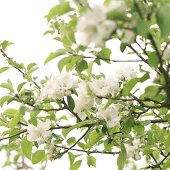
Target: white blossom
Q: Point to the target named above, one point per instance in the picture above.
(125, 73)
(166, 55)
(83, 102)
(94, 27)
(58, 86)
(133, 150)
(104, 87)
(39, 133)
(110, 115)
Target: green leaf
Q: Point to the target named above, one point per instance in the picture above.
(8, 86)
(78, 125)
(129, 86)
(58, 10)
(17, 117)
(54, 55)
(5, 44)
(91, 161)
(127, 125)
(93, 139)
(4, 99)
(63, 62)
(139, 129)
(3, 69)
(26, 147)
(20, 86)
(143, 28)
(38, 156)
(105, 54)
(71, 140)
(153, 60)
(122, 158)
(167, 143)
(163, 19)
(71, 103)
(122, 47)
(76, 165)
(81, 65)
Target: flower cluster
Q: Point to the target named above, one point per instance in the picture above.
(58, 86)
(110, 115)
(39, 133)
(125, 73)
(133, 150)
(84, 101)
(104, 87)
(94, 26)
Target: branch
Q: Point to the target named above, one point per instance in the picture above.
(87, 151)
(77, 141)
(23, 74)
(1, 139)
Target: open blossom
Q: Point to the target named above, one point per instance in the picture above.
(125, 73)
(133, 150)
(94, 27)
(39, 133)
(110, 115)
(58, 86)
(83, 102)
(104, 87)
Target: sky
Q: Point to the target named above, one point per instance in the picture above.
(23, 23)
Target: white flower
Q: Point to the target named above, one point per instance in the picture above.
(125, 73)
(110, 115)
(83, 102)
(39, 133)
(94, 27)
(104, 87)
(133, 150)
(58, 86)
(166, 55)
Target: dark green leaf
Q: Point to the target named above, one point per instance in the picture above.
(81, 65)
(71, 103)
(163, 19)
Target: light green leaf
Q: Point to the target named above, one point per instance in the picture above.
(58, 10)
(91, 161)
(26, 147)
(8, 86)
(105, 54)
(76, 165)
(122, 158)
(63, 62)
(4, 99)
(17, 117)
(3, 69)
(93, 139)
(38, 156)
(20, 86)
(78, 125)
(167, 143)
(54, 55)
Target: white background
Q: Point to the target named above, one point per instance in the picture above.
(23, 22)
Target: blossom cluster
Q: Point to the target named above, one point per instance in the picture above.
(94, 26)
